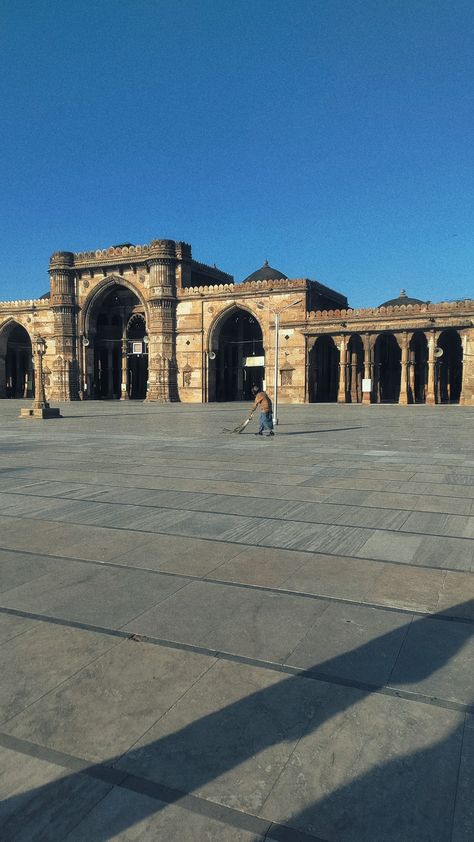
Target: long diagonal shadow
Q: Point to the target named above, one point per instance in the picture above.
(207, 750)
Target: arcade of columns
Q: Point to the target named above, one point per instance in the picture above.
(183, 306)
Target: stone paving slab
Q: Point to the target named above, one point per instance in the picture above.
(91, 594)
(40, 659)
(111, 702)
(41, 800)
(376, 769)
(302, 685)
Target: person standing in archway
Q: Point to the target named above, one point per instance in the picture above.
(264, 404)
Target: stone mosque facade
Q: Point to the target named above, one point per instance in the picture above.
(149, 322)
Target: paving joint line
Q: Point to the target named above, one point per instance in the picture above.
(20, 492)
(273, 589)
(281, 520)
(110, 775)
(285, 669)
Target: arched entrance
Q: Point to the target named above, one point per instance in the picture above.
(16, 362)
(417, 368)
(387, 368)
(323, 371)
(116, 360)
(449, 367)
(355, 369)
(137, 357)
(237, 357)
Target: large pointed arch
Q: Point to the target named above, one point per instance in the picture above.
(102, 288)
(236, 354)
(111, 365)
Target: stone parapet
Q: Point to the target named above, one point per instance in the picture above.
(402, 311)
(243, 289)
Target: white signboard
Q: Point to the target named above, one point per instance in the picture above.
(366, 384)
(137, 347)
(253, 362)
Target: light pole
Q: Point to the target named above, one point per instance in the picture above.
(40, 407)
(276, 314)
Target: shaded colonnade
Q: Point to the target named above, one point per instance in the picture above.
(354, 369)
(387, 369)
(417, 378)
(16, 362)
(449, 367)
(323, 371)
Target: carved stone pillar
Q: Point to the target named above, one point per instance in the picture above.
(110, 373)
(430, 392)
(403, 397)
(366, 396)
(341, 395)
(65, 384)
(162, 366)
(18, 377)
(411, 375)
(3, 376)
(124, 377)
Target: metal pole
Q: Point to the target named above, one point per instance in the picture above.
(275, 383)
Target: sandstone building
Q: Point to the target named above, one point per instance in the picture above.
(150, 322)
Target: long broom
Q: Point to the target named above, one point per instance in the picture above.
(241, 427)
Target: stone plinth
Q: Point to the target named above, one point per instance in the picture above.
(45, 411)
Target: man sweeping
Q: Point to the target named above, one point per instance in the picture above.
(264, 404)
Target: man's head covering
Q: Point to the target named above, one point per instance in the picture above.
(255, 390)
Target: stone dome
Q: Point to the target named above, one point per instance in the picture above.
(266, 273)
(402, 300)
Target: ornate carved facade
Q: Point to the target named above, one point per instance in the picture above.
(149, 322)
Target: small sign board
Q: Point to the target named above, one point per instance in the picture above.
(366, 384)
(254, 362)
(137, 347)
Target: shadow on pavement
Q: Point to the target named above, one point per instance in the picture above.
(335, 727)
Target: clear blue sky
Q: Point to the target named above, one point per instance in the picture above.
(333, 138)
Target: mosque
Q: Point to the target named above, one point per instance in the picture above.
(148, 322)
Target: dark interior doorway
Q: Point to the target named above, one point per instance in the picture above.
(239, 361)
(324, 371)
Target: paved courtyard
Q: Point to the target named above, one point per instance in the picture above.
(223, 638)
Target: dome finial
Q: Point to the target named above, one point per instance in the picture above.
(266, 263)
(403, 294)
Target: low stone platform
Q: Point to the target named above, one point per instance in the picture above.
(210, 636)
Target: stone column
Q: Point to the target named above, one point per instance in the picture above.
(65, 384)
(411, 374)
(430, 392)
(353, 377)
(18, 378)
(341, 395)
(403, 398)
(368, 369)
(162, 365)
(110, 373)
(30, 377)
(3, 376)
(124, 376)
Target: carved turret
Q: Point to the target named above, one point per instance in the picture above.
(162, 367)
(63, 304)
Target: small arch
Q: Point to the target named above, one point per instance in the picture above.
(417, 375)
(355, 369)
(449, 367)
(387, 368)
(16, 361)
(324, 360)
